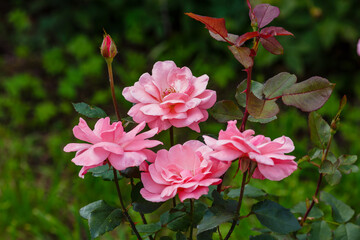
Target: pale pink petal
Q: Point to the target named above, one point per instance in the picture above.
(160, 73)
(128, 159)
(147, 82)
(179, 78)
(196, 194)
(208, 99)
(150, 185)
(154, 110)
(72, 147)
(152, 197)
(279, 171)
(84, 133)
(199, 84)
(91, 156)
(138, 92)
(138, 116)
(127, 95)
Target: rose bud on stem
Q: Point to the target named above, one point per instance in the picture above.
(108, 50)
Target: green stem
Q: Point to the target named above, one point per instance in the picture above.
(123, 206)
(243, 183)
(191, 218)
(172, 140)
(111, 80)
(315, 196)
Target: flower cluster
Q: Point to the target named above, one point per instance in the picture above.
(110, 142)
(171, 96)
(272, 163)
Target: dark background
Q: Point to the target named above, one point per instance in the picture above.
(50, 58)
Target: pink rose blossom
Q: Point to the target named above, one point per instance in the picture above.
(358, 48)
(109, 141)
(171, 96)
(272, 163)
(183, 170)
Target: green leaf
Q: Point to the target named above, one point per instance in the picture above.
(89, 111)
(320, 231)
(275, 217)
(104, 172)
(85, 211)
(180, 236)
(301, 208)
(256, 89)
(262, 121)
(226, 110)
(261, 109)
(327, 167)
(149, 228)
(221, 211)
(199, 211)
(275, 86)
(319, 130)
(104, 219)
(178, 218)
(334, 178)
(242, 54)
(340, 211)
(250, 191)
(345, 162)
(308, 95)
(166, 238)
(347, 169)
(139, 203)
(264, 236)
(349, 231)
(207, 235)
(347, 159)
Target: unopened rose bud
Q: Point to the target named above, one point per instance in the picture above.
(108, 48)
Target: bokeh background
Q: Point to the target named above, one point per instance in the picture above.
(50, 58)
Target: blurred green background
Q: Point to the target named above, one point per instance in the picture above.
(50, 58)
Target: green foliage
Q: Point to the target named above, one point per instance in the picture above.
(89, 111)
(341, 212)
(139, 203)
(275, 217)
(320, 231)
(226, 110)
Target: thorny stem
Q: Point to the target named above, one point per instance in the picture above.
(315, 196)
(191, 218)
(123, 206)
(248, 91)
(243, 183)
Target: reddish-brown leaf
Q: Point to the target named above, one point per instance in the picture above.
(215, 25)
(272, 45)
(246, 36)
(265, 13)
(242, 54)
(274, 31)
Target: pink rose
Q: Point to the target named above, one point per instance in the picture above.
(171, 96)
(109, 141)
(183, 170)
(272, 163)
